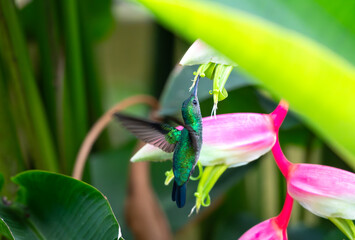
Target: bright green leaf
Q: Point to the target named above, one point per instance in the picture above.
(318, 84)
(330, 23)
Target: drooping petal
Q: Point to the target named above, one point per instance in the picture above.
(274, 228)
(201, 53)
(323, 190)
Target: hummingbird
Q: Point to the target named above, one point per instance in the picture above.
(186, 143)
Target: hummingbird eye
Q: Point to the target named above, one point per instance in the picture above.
(194, 102)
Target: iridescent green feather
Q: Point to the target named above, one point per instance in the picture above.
(173, 136)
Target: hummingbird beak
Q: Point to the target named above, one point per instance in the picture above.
(194, 92)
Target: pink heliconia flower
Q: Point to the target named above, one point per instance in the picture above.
(233, 139)
(273, 228)
(325, 191)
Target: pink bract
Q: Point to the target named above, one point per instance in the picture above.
(234, 139)
(325, 191)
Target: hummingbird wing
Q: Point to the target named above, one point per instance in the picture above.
(160, 135)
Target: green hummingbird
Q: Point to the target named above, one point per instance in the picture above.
(186, 143)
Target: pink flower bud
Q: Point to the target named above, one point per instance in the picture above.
(267, 230)
(273, 228)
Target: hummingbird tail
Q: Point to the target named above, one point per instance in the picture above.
(179, 194)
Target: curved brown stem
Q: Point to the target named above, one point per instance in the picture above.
(101, 124)
(143, 213)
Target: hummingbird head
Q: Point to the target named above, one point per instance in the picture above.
(191, 106)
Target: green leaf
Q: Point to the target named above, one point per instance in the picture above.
(309, 17)
(54, 206)
(318, 83)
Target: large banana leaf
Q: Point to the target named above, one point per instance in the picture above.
(53, 206)
(318, 83)
(327, 22)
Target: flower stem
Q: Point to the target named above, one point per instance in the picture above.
(279, 114)
(284, 217)
(281, 161)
